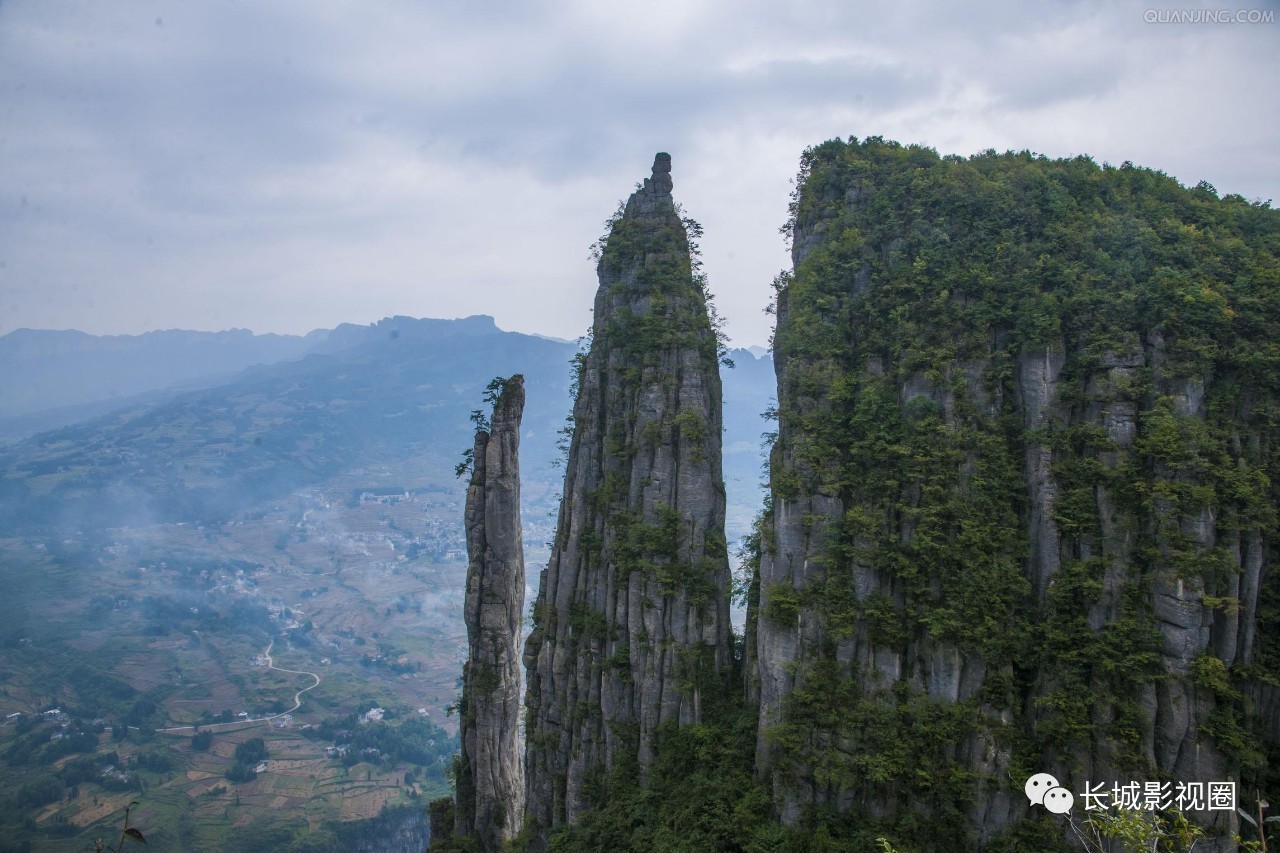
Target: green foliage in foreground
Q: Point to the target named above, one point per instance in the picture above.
(701, 796)
(127, 834)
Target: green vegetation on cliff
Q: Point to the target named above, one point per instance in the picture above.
(631, 629)
(1023, 490)
(1032, 406)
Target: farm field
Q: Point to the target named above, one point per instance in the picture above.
(138, 661)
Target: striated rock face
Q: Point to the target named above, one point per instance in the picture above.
(1021, 503)
(490, 784)
(631, 619)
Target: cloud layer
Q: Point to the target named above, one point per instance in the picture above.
(294, 165)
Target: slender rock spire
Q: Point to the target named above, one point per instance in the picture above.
(632, 620)
(490, 800)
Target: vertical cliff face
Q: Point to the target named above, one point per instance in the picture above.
(490, 783)
(631, 619)
(1023, 491)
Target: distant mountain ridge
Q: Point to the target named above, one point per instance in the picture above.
(390, 392)
(44, 369)
(349, 335)
(52, 378)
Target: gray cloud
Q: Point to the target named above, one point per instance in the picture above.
(281, 167)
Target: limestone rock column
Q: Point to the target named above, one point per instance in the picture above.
(632, 615)
(491, 778)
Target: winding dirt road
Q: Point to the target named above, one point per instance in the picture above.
(297, 697)
(226, 727)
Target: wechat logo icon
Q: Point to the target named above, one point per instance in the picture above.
(1043, 789)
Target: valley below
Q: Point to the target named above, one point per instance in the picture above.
(125, 644)
(241, 607)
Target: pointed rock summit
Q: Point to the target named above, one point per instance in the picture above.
(491, 777)
(656, 188)
(631, 622)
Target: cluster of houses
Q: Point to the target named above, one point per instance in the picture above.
(113, 772)
(373, 715)
(369, 753)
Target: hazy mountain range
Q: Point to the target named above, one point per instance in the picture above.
(196, 426)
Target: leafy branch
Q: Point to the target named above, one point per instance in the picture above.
(128, 833)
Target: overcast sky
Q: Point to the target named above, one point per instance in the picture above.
(283, 166)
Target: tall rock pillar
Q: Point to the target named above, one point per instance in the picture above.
(631, 623)
(491, 777)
